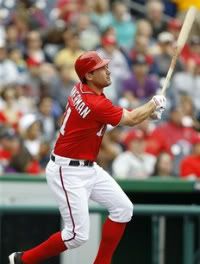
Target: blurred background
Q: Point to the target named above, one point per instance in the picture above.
(157, 162)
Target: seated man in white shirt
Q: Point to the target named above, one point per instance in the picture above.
(8, 70)
(134, 163)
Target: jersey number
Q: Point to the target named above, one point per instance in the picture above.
(67, 114)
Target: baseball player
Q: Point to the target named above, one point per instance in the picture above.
(72, 173)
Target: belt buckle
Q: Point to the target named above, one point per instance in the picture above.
(82, 163)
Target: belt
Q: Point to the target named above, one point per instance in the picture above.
(76, 163)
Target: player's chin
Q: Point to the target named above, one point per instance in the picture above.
(108, 82)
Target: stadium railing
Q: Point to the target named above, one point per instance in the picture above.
(188, 212)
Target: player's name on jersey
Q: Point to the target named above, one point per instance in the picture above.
(78, 103)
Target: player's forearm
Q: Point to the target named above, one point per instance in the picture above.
(136, 116)
(141, 113)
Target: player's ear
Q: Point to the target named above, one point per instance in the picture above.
(89, 76)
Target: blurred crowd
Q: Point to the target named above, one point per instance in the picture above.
(39, 43)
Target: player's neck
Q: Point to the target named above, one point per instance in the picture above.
(96, 89)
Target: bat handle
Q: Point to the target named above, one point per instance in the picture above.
(170, 71)
(166, 81)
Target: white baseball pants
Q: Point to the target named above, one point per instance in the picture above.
(74, 186)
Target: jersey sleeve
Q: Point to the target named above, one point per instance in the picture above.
(107, 113)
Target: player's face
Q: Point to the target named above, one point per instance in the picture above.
(101, 77)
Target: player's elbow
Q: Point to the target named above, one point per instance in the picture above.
(128, 120)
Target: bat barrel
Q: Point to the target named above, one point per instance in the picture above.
(182, 38)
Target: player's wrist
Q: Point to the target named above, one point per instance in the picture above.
(160, 101)
(153, 105)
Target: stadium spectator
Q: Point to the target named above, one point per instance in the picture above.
(71, 50)
(44, 78)
(20, 18)
(101, 15)
(164, 165)
(34, 53)
(2, 30)
(14, 157)
(188, 82)
(30, 129)
(67, 10)
(45, 109)
(16, 56)
(88, 33)
(22, 162)
(144, 28)
(124, 25)
(52, 41)
(37, 16)
(10, 113)
(147, 127)
(23, 98)
(165, 53)
(111, 147)
(134, 163)
(169, 134)
(173, 137)
(12, 37)
(189, 111)
(141, 47)
(8, 70)
(38, 80)
(197, 122)
(44, 153)
(155, 12)
(118, 65)
(65, 82)
(140, 85)
(191, 51)
(190, 164)
(174, 26)
(8, 145)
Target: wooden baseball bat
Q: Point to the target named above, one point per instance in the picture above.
(182, 38)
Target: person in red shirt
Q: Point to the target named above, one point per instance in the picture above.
(171, 133)
(9, 113)
(190, 165)
(191, 51)
(68, 9)
(72, 173)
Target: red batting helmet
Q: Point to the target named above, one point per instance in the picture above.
(87, 62)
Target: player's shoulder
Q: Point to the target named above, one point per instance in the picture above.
(100, 102)
(93, 99)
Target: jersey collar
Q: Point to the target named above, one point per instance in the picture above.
(85, 89)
